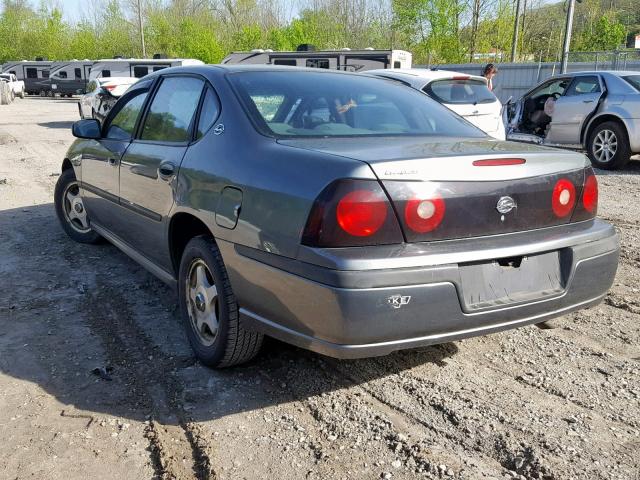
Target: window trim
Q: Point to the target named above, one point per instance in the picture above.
(157, 84)
(194, 138)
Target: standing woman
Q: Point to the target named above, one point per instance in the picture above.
(489, 72)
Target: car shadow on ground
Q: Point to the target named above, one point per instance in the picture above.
(631, 168)
(95, 330)
(61, 124)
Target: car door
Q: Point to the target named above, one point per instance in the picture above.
(577, 103)
(149, 168)
(101, 159)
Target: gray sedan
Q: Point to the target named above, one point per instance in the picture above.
(342, 213)
(595, 111)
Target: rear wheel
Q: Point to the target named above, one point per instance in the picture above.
(70, 209)
(21, 93)
(209, 308)
(608, 146)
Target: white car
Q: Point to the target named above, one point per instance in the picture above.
(16, 86)
(102, 94)
(466, 95)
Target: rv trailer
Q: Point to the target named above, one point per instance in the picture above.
(70, 78)
(34, 74)
(345, 59)
(136, 67)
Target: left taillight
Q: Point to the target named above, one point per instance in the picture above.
(563, 198)
(352, 213)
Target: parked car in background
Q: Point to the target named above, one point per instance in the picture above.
(101, 96)
(467, 95)
(16, 86)
(339, 212)
(595, 111)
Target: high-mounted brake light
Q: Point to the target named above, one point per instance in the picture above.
(361, 213)
(590, 194)
(563, 198)
(424, 215)
(461, 77)
(498, 162)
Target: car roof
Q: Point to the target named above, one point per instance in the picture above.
(419, 77)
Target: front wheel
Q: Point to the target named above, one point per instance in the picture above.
(70, 209)
(209, 308)
(608, 146)
(21, 93)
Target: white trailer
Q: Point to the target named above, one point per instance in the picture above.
(34, 74)
(136, 67)
(345, 59)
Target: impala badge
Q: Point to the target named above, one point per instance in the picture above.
(218, 129)
(397, 301)
(505, 205)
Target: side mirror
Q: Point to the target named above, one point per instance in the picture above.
(88, 128)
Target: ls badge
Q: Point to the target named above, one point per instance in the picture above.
(397, 301)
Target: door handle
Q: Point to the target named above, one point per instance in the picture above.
(166, 170)
(112, 161)
(587, 101)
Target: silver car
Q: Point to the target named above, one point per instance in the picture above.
(595, 111)
(342, 213)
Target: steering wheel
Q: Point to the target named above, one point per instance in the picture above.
(556, 95)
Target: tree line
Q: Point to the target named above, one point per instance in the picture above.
(435, 31)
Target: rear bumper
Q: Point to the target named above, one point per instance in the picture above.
(355, 313)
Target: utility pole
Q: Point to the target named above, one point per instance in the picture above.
(516, 26)
(144, 50)
(567, 36)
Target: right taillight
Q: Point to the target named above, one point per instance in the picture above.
(563, 197)
(590, 194)
(352, 213)
(423, 215)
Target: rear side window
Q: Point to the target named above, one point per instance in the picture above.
(32, 73)
(634, 80)
(172, 110)
(123, 124)
(583, 85)
(460, 91)
(209, 112)
(318, 63)
(285, 61)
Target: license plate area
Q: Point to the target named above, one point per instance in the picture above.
(513, 280)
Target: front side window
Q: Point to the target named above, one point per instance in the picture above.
(123, 124)
(62, 74)
(584, 85)
(105, 73)
(323, 104)
(555, 88)
(209, 112)
(466, 91)
(172, 110)
(45, 73)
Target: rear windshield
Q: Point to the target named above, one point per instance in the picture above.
(634, 80)
(310, 104)
(460, 91)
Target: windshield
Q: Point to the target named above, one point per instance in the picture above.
(634, 80)
(320, 104)
(453, 91)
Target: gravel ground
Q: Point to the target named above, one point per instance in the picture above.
(97, 379)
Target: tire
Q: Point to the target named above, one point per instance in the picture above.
(21, 93)
(68, 203)
(205, 298)
(608, 146)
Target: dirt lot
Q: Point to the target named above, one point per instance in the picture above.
(532, 403)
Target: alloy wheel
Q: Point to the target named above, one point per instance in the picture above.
(605, 146)
(202, 302)
(74, 210)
